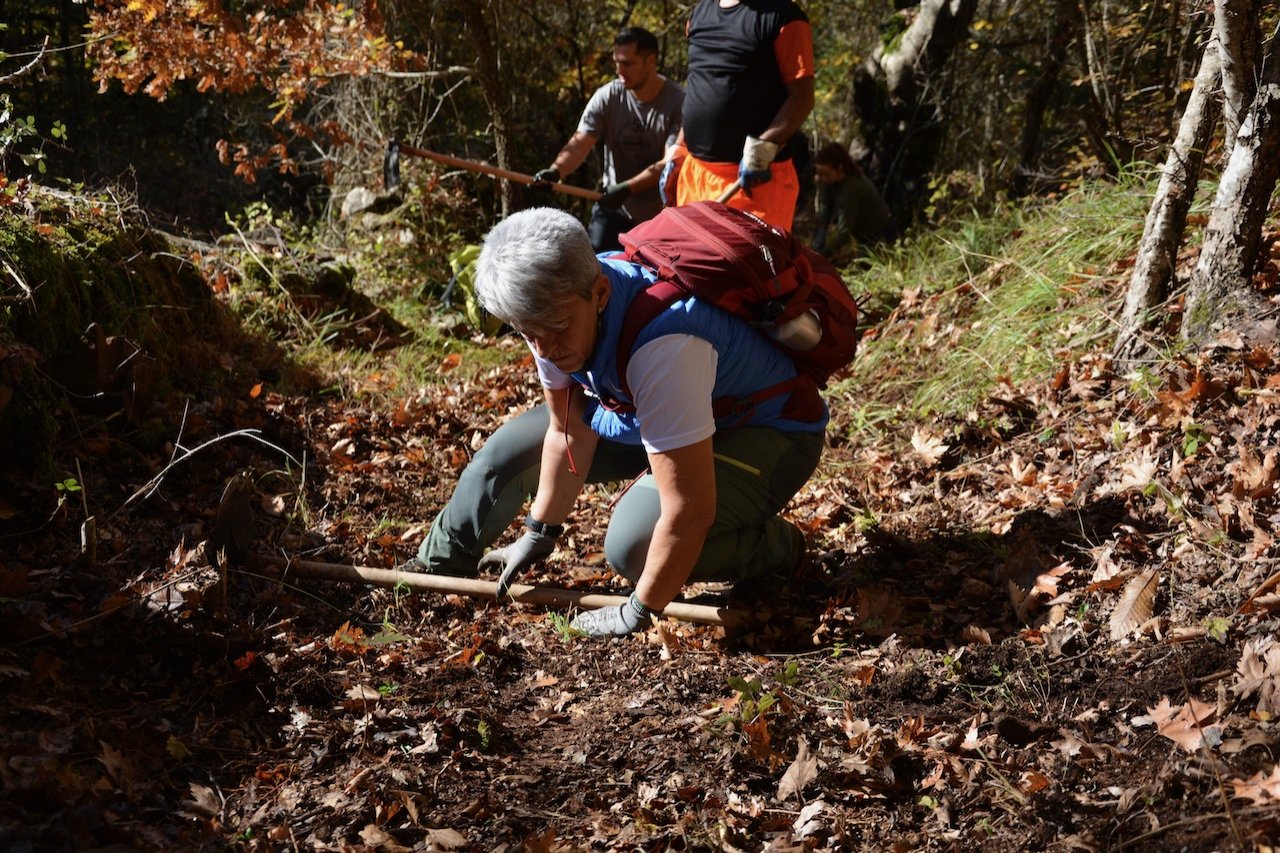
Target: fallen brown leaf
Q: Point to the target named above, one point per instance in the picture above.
(801, 772)
(1258, 671)
(1136, 604)
(1258, 787)
(929, 448)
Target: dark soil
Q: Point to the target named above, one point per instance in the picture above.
(944, 677)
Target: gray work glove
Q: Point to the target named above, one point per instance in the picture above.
(614, 195)
(517, 558)
(627, 618)
(549, 175)
(757, 154)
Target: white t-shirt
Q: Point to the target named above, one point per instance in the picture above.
(672, 379)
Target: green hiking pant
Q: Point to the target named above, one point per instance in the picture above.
(758, 469)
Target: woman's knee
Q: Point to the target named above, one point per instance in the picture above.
(625, 549)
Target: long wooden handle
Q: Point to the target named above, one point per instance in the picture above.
(484, 168)
(545, 595)
(730, 191)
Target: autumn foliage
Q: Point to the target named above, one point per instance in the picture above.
(288, 50)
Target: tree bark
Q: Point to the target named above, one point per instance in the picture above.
(1167, 217)
(492, 84)
(1220, 295)
(1065, 27)
(897, 107)
(1235, 23)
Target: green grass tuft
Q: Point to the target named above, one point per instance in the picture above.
(960, 309)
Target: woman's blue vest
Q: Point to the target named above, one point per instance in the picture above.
(747, 362)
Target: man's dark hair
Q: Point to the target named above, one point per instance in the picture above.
(645, 41)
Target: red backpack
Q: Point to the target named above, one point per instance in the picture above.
(743, 265)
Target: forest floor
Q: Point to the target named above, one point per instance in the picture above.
(1048, 625)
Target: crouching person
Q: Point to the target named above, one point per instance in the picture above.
(712, 477)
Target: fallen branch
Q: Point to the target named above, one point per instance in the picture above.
(544, 595)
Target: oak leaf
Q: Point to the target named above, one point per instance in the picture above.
(1185, 725)
(929, 448)
(1258, 787)
(801, 772)
(1258, 671)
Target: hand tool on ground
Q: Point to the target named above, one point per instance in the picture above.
(704, 614)
(391, 170)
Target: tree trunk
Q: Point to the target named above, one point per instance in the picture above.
(895, 102)
(1167, 218)
(1220, 295)
(492, 84)
(1235, 23)
(1066, 26)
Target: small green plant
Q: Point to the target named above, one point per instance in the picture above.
(1217, 626)
(865, 521)
(388, 689)
(485, 731)
(563, 626)
(1173, 502)
(1145, 383)
(387, 632)
(1119, 435)
(1194, 437)
(789, 673)
(839, 649)
(753, 700)
(65, 489)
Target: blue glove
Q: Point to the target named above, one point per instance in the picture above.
(757, 154)
(614, 195)
(518, 557)
(667, 181)
(627, 618)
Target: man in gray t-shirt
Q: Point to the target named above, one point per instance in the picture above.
(638, 117)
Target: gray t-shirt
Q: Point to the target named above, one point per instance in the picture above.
(635, 136)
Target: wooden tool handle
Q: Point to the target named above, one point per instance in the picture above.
(473, 587)
(518, 177)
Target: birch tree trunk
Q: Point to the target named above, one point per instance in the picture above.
(1167, 218)
(1235, 23)
(1220, 296)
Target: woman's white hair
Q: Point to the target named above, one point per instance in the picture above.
(532, 264)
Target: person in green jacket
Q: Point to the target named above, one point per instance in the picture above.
(851, 214)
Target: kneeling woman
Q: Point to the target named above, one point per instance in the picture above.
(706, 507)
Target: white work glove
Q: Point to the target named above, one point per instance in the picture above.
(626, 618)
(757, 154)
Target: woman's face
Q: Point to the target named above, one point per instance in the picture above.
(828, 174)
(569, 338)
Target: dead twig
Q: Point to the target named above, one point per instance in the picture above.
(30, 66)
(148, 487)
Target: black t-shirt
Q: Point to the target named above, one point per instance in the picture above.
(734, 88)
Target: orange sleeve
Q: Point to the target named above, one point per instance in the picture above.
(793, 49)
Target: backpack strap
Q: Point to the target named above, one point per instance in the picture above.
(643, 310)
(805, 404)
